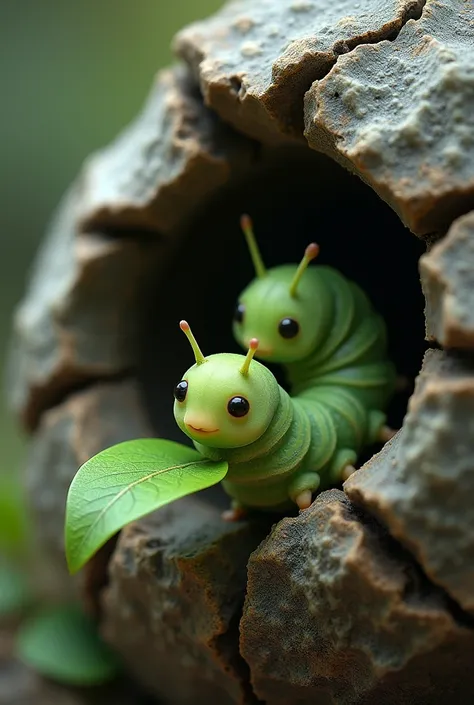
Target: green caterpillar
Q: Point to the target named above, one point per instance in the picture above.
(270, 450)
(280, 450)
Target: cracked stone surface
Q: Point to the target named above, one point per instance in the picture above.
(165, 163)
(336, 613)
(177, 581)
(421, 486)
(447, 278)
(401, 115)
(68, 435)
(360, 601)
(256, 60)
(77, 321)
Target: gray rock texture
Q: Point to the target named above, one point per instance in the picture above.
(447, 278)
(68, 435)
(177, 581)
(255, 60)
(400, 114)
(337, 613)
(421, 487)
(367, 598)
(78, 318)
(164, 164)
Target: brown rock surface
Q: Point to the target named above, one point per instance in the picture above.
(78, 319)
(256, 60)
(401, 115)
(68, 435)
(337, 613)
(447, 278)
(164, 164)
(421, 486)
(177, 581)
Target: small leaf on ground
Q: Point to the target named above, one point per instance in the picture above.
(126, 482)
(62, 643)
(15, 593)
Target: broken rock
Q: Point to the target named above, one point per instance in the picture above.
(421, 486)
(175, 154)
(68, 435)
(78, 319)
(400, 114)
(447, 277)
(337, 613)
(256, 59)
(171, 609)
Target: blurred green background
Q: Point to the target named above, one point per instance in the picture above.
(73, 74)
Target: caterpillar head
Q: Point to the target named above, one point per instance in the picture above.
(278, 307)
(225, 400)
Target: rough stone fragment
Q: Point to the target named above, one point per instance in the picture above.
(256, 60)
(447, 278)
(165, 163)
(336, 613)
(177, 582)
(68, 435)
(77, 321)
(400, 114)
(421, 486)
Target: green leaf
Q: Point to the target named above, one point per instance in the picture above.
(62, 643)
(125, 482)
(15, 593)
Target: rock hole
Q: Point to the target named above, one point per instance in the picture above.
(236, 84)
(295, 196)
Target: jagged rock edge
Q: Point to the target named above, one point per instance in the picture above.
(454, 609)
(119, 233)
(408, 15)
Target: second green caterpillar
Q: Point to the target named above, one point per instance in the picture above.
(323, 328)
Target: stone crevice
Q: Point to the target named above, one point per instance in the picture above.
(423, 586)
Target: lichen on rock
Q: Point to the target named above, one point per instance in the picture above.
(400, 114)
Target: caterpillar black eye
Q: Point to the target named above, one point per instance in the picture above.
(288, 328)
(238, 407)
(181, 390)
(239, 313)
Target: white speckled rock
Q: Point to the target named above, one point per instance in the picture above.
(255, 60)
(422, 485)
(401, 115)
(447, 278)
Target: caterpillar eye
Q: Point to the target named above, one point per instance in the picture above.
(239, 313)
(288, 328)
(181, 390)
(238, 407)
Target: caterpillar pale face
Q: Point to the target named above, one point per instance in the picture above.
(332, 343)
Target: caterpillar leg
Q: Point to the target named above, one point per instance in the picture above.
(302, 488)
(347, 472)
(342, 464)
(378, 431)
(235, 513)
(386, 434)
